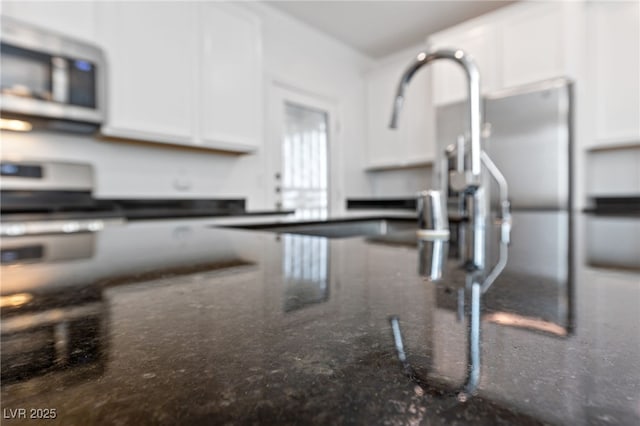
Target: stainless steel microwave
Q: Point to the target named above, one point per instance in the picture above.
(47, 75)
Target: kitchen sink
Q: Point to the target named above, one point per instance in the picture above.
(344, 228)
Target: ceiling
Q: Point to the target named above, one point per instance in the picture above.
(378, 28)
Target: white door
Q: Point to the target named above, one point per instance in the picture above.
(302, 161)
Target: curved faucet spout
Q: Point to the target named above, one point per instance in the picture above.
(473, 86)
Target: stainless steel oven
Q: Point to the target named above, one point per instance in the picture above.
(47, 75)
(49, 197)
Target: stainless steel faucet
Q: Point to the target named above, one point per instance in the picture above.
(468, 180)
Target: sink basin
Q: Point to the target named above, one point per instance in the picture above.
(344, 228)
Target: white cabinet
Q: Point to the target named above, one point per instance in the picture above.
(383, 143)
(183, 73)
(419, 117)
(614, 61)
(449, 82)
(532, 45)
(516, 45)
(151, 53)
(412, 142)
(71, 18)
(231, 91)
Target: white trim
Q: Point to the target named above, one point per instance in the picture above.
(228, 143)
(164, 137)
(413, 164)
(612, 144)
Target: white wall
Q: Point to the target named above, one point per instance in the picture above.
(295, 55)
(401, 183)
(305, 60)
(124, 170)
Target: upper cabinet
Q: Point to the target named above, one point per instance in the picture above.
(70, 18)
(183, 73)
(412, 142)
(449, 81)
(231, 91)
(532, 43)
(383, 143)
(614, 64)
(515, 45)
(152, 60)
(419, 119)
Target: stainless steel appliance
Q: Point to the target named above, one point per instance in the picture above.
(47, 75)
(49, 197)
(527, 134)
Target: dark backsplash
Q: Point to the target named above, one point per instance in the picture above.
(382, 203)
(618, 205)
(149, 209)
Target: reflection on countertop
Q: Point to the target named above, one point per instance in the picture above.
(177, 322)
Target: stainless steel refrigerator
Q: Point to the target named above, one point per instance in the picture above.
(527, 134)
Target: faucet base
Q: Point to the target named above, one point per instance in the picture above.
(464, 181)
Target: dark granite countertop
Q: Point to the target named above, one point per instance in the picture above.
(38, 207)
(176, 322)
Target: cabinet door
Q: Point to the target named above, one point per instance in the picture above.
(231, 80)
(449, 81)
(71, 18)
(615, 60)
(420, 119)
(413, 141)
(151, 51)
(532, 45)
(385, 146)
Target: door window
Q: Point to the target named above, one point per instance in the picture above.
(304, 161)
